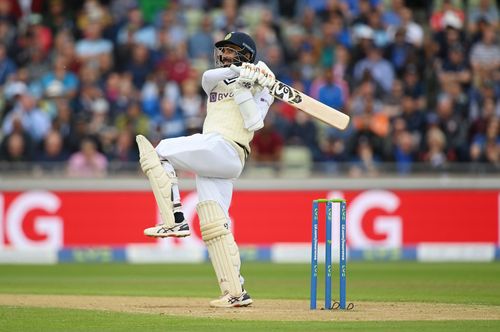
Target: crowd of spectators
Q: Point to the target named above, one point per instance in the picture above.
(78, 80)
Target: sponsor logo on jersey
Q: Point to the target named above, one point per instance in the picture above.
(219, 96)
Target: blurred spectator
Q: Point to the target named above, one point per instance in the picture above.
(92, 47)
(133, 120)
(481, 10)
(7, 66)
(191, 105)
(364, 98)
(435, 152)
(414, 32)
(228, 20)
(150, 96)
(380, 31)
(334, 154)
(53, 153)
(59, 17)
(399, 51)
(15, 148)
(392, 102)
(379, 68)
(451, 34)
(8, 36)
(170, 122)
(172, 31)
(175, 65)
(404, 152)
(201, 43)
(304, 131)
(93, 13)
(328, 92)
(32, 119)
(478, 96)
(125, 149)
(413, 86)
(140, 65)
(267, 144)
(455, 67)
(391, 15)
(485, 148)
(364, 163)
(7, 12)
(453, 127)
(135, 31)
(99, 116)
(485, 56)
(446, 12)
(414, 117)
(59, 81)
(88, 161)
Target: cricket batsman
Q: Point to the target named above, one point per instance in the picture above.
(236, 108)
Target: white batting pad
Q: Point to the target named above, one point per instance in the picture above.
(222, 249)
(159, 180)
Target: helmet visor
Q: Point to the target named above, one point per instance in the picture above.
(227, 55)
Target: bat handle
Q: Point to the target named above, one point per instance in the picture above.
(235, 68)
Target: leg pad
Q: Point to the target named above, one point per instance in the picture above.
(160, 181)
(221, 246)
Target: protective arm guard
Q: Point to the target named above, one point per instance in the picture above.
(221, 246)
(160, 181)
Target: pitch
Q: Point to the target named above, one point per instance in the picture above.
(387, 296)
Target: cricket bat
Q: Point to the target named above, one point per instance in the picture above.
(303, 102)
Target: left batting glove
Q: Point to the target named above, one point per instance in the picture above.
(249, 73)
(265, 76)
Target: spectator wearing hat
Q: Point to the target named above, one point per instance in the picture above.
(447, 14)
(452, 33)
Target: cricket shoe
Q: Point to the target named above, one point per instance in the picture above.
(178, 230)
(228, 301)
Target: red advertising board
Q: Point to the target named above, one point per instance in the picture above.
(374, 217)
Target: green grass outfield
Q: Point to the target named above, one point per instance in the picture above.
(453, 283)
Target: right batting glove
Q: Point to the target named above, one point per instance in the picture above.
(266, 76)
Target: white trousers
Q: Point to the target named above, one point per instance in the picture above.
(214, 161)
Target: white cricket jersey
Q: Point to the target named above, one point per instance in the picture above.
(223, 114)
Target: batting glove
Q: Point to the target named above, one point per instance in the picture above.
(248, 75)
(266, 77)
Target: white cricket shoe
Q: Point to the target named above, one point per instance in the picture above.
(228, 301)
(178, 230)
